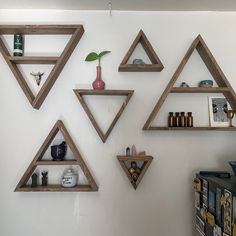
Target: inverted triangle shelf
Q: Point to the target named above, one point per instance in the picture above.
(156, 62)
(217, 74)
(76, 32)
(82, 92)
(37, 161)
(146, 163)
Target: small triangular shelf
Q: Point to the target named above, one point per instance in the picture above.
(37, 161)
(81, 92)
(156, 62)
(224, 86)
(76, 32)
(146, 163)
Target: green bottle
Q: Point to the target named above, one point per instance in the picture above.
(18, 45)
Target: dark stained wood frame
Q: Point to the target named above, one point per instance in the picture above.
(59, 62)
(217, 74)
(82, 92)
(156, 62)
(146, 163)
(59, 126)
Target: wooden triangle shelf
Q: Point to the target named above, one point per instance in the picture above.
(217, 74)
(82, 92)
(76, 32)
(146, 163)
(37, 161)
(156, 62)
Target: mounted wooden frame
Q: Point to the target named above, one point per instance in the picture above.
(156, 62)
(146, 163)
(217, 74)
(82, 92)
(37, 161)
(76, 32)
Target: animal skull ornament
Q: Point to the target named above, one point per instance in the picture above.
(37, 77)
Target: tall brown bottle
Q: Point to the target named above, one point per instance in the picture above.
(171, 119)
(182, 122)
(189, 120)
(177, 119)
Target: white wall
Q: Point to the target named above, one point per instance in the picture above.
(163, 203)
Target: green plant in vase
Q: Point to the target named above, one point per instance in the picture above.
(98, 83)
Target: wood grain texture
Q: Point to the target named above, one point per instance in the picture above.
(59, 126)
(156, 62)
(213, 67)
(146, 163)
(59, 62)
(81, 92)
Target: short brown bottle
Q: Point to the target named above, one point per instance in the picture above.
(182, 122)
(177, 119)
(189, 119)
(171, 119)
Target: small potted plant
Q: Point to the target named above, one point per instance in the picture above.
(98, 83)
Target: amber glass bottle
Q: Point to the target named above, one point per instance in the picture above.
(171, 119)
(182, 122)
(177, 119)
(189, 120)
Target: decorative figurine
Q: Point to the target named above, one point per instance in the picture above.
(127, 151)
(70, 178)
(133, 150)
(38, 77)
(58, 152)
(138, 62)
(44, 178)
(142, 153)
(34, 180)
(184, 85)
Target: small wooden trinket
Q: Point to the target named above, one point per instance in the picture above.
(142, 153)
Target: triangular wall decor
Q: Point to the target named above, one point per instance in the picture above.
(217, 74)
(156, 62)
(59, 62)
(146, 163)
(81, 92)
(37, 161)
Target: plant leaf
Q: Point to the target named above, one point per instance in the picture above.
(92, 56)
(101, 54)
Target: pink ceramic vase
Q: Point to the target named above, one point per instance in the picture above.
(98, 83)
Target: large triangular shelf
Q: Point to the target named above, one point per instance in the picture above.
(146, 163)
(37, 161)
(81, 92)
(217, 74)
(156, 62)
(59, 62)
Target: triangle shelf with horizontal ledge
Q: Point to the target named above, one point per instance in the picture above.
(156, 62)
(146, 163)
(224, 87)
(82, 92)
(76, 32)
(37, 161)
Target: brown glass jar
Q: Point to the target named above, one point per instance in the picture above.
(182, 122)
(189, 119)
(177, 119)
(171, 119)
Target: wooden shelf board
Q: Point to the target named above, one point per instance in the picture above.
(140, 68)
(134, 158)
(38, 29)
(54, 188)
(54, 163)
(199, 90)
(193, 128)
(33, 60)
(103, 92)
